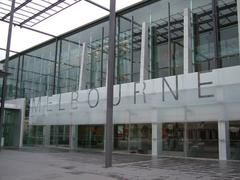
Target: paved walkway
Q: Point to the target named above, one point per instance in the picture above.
(45, 164)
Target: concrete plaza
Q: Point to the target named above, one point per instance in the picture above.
(53, 164)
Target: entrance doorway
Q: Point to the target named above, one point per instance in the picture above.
(234, 132)
(91, 136)
(203, 139)
(11, 128)
(133, 138)
(59, 135)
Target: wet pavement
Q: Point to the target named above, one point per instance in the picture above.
(55, 164)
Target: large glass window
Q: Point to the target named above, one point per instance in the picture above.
(121, 137)
(215, 34)
(167, 40)
(234, 130)
(33, 136)
(203, 139)
(166, 57)
(37, 72)
(128, 50)
(13, 66)
(59, 135)
(96, 39)
(133, 138)
(91, 136)
(172, 136)
(37, 67)
(11, 128)
(140, 138)
(68, 68)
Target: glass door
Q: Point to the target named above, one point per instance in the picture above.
(11, 128)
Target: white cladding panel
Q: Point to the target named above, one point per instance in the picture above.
(225, 105)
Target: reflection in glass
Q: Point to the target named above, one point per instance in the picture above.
(128, 50)
(91, 136)
(59, 135)
(33, 136)
(68, 68)
(11, 128)
(140, 138)
(203, 139)
(121, 135)
(172, 135)
(225, 35)
(13, 66)
(234, 130)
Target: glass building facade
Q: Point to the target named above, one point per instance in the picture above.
(54, 67)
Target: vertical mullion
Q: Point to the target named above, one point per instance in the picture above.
(132, 34)
(91, 65)
(22, 75)
(102, 49)
(59, 67)
(154, 67)
(196, 40)
(118, 52)
(67, 78)
(169, 41)
(55, 66)
(216, 34)
(16, 87)
(174, 59)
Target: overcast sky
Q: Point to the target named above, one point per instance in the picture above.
(73, 17)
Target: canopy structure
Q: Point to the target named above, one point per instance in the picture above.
(28, 13)
(32, 12)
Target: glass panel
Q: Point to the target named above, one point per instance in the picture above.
(91, 136)
(35, 137)
(172, 136)
(59, 135)
(11, 128)
(38, 72)
(228, 22)
(161, 66)
(121, 135)
(140, 138)
(68, 68)
(227, 33)
(12, 78)
(203, 35)
(234, 130)
(96, 39)
(128, 50)
(203, 139)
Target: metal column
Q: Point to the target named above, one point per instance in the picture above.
(102, 51)
(4, 84)
(216, 34)
(238, 19)
(110, 82)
